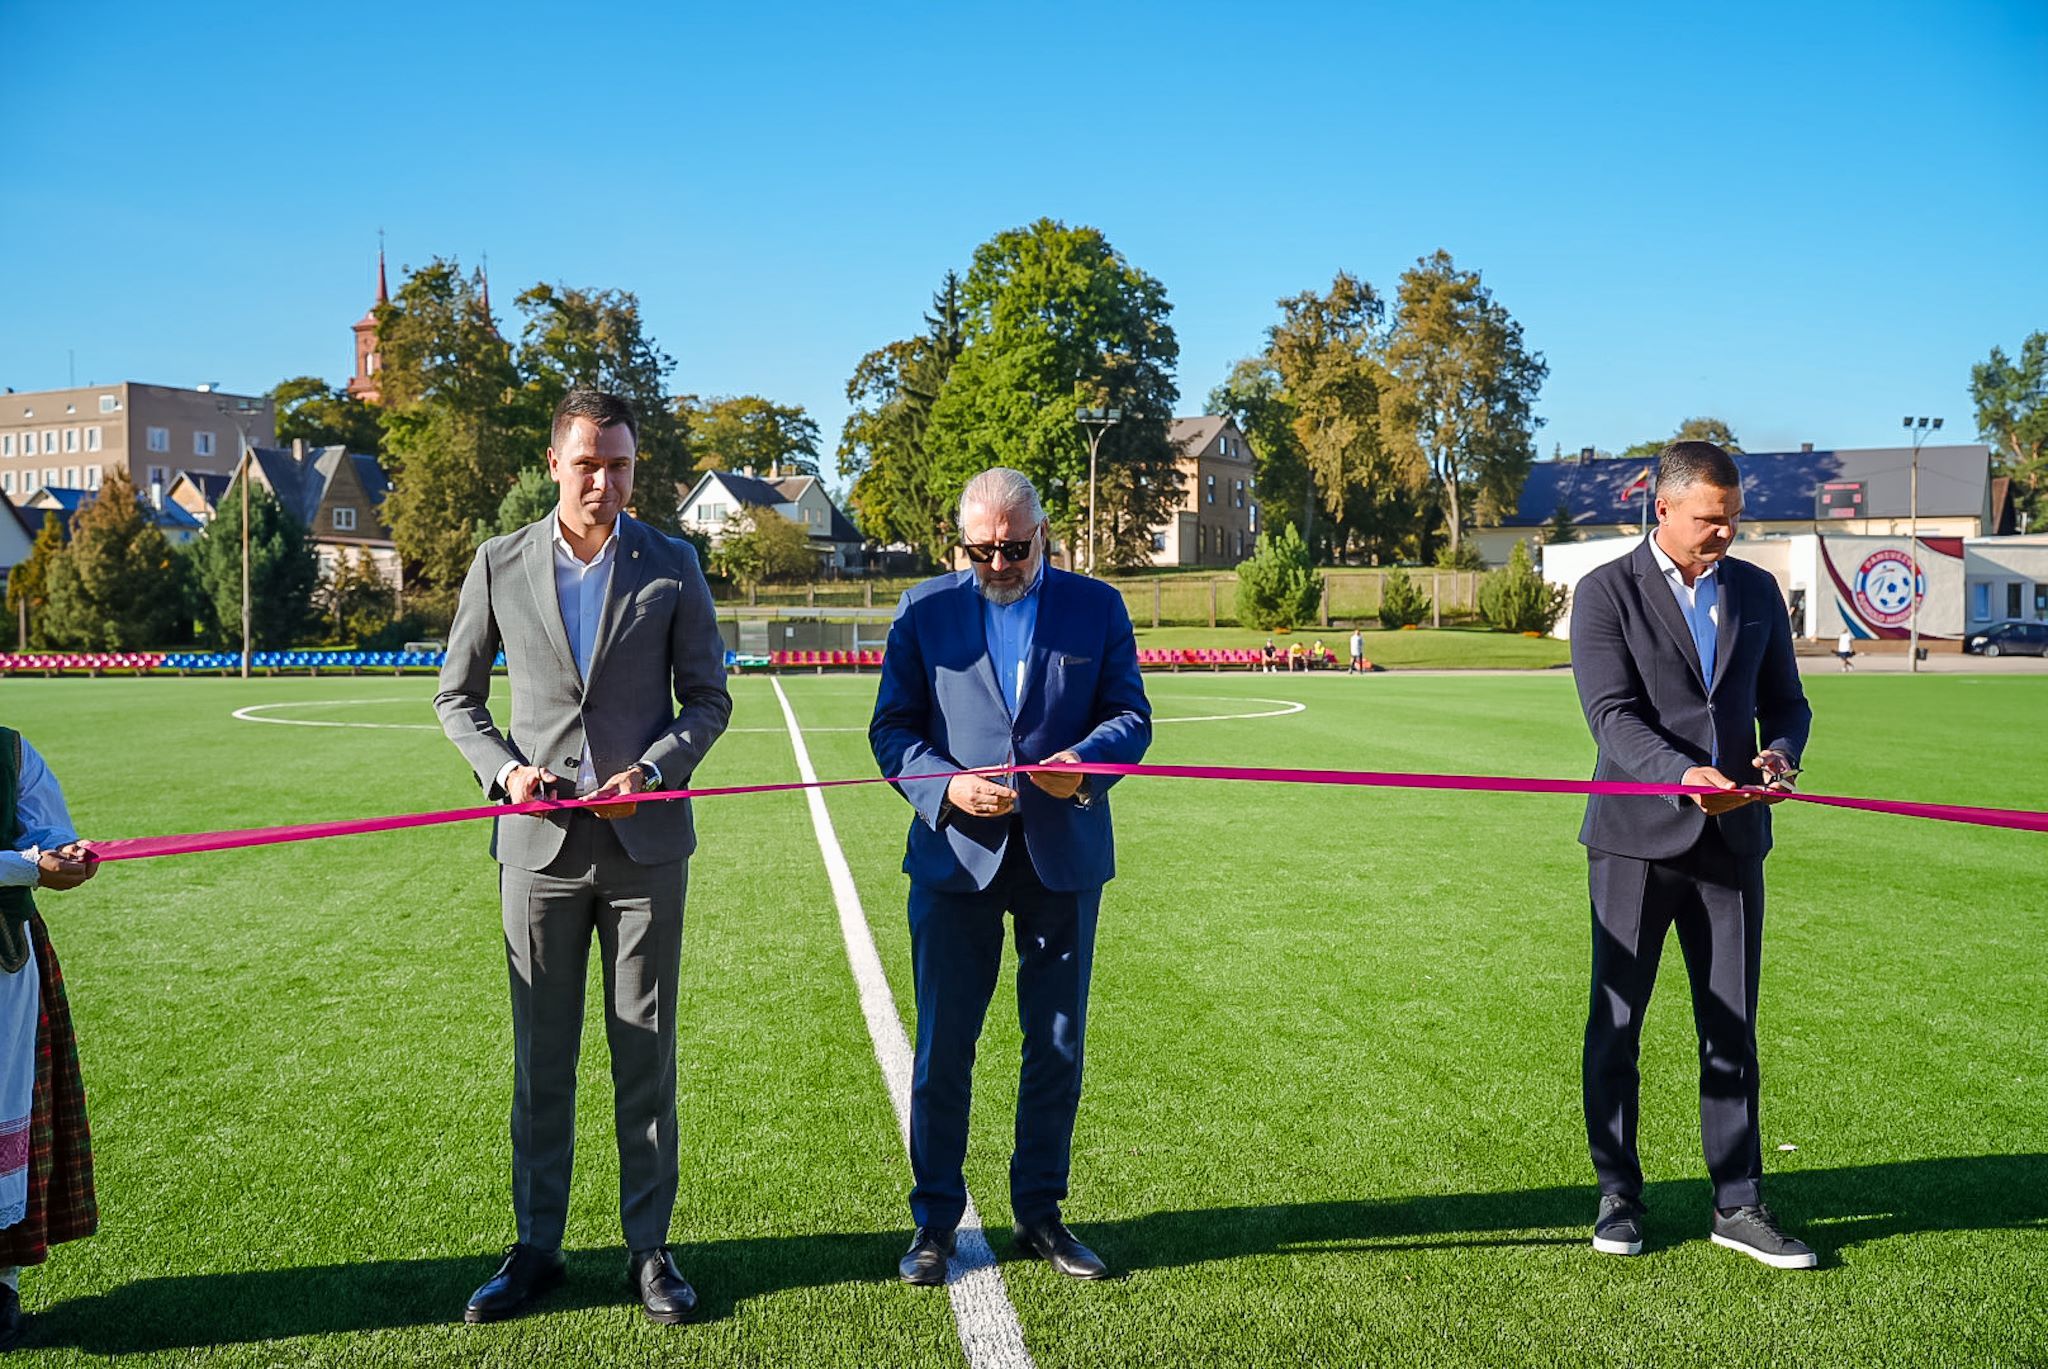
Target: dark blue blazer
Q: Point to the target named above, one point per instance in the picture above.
(939, 709)
(1654, 716)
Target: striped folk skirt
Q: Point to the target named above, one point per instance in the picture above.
(61, 1202)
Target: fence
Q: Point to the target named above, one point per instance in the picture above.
(1348, 596)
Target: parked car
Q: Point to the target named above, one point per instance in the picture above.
(2009, 639)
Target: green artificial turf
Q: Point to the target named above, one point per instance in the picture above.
(1450, 648)
(1332, 1106)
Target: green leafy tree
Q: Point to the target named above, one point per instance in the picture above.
(732, 433)
(1056, 319)
(115, 587)
(356, 602)
(760, 544)
(882, 448)
(325, 416)
(1254, 395)
(29, 582)
(283, 571)
(594, 338)
(1460, 401)
(533, 496)
(457, 425)
(1518, 599)
(2012, 415)
(1692, 430)
(1403, 603)
(1277, 586)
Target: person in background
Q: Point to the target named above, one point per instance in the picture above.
(46, 1182)
(1357, 651)
(1845, 647)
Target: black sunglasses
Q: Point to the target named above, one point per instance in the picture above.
(981, 553)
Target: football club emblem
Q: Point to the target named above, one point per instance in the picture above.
(1887, 586)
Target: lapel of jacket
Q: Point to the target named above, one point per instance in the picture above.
(1727, 632)
(540, 581)
(629, 572)
(973, 626)
(1650, 582)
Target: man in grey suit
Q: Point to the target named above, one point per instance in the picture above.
(1683, 657)
(600, 618)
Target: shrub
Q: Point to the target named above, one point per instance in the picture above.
(1402, 601)
(1518, 599)
(1277, 587)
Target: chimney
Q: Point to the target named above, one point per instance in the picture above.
(774, 468)
(1806, 446)
(747, 471)
(1585, 455)
(299, 450)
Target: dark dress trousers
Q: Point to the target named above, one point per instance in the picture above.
(940, 709)
(1658, 863)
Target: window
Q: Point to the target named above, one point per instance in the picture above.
(159, 475)
(109, 404)
(711, 513)
(2012, 599)
(1209, 490)
(50, 475)
(1237, 493)
(344, 520)
(71, 477)
(1158, 538)
(1240, 544)
(202, 444)
(92, 438)
(159, 439)
(6, 444)
(92, 477)
(6, 482)
(1980, 601)
(71, 439)
(1254, 519)
(28, 444)
(49, 442)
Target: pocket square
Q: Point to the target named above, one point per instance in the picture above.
(1076, 660)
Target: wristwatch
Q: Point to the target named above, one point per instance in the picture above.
(649, 773)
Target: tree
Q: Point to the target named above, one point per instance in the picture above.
(356, 600)
(533, 496)
(29, 582)
(115, 587)
(760, 544)
(1462, 389)
(1402, 601)
(323, 416)
(2012, 415)
(1518, 599)
(882, 447)
(738, 432)
(283, 571)
(1056, 319)
(1692, 430)
(1277, 586)
(455, 427)
(1562, 527)
(593, 338)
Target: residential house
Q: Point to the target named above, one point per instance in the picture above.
(719, 496)
(1217, 520)
(74, 438)
(337, 494)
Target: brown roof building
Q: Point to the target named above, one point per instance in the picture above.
(1218, 518)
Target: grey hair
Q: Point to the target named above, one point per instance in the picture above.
(1001, 490)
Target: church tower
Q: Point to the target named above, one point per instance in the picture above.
(363, 383)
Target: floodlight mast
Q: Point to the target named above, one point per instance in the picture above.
(1917, 431)
(1097, 422)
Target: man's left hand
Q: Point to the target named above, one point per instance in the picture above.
(628, 781)
(1059, 786)
(1778, 772)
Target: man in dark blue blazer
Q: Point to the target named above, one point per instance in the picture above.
(1008, 662)
(1683, 657)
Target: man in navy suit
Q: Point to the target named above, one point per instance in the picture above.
(1683, 657)
(1007, 662)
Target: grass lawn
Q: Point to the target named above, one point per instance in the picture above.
(1332, 1110)
(1448, 648)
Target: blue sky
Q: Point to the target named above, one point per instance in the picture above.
(1807, 220)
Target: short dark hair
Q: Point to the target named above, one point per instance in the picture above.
(604, 409)
(1696, 463)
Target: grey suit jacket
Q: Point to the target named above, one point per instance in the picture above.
(657, 638)
(1655, 716)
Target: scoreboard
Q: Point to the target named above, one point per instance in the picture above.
(1839, 499)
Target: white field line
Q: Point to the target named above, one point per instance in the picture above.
(989, 1332)
(258, 713)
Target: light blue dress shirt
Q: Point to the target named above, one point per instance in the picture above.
(1699, 603)
(1010, 628)
(45, 821)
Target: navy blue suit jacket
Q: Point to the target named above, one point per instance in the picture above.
(1654, 716)
(940, 709)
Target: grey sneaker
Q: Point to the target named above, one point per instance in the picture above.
(1755, 1232)
(1619, 1228)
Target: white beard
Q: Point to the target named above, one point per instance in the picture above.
(1005, 595)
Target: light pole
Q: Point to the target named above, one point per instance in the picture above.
(1918, 432)
(1097, 422)
(239, 412)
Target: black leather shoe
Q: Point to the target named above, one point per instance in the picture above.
(12, 1319)
(1052, 1241)
(526, 1274)
(925, 1262)
(665, 1296)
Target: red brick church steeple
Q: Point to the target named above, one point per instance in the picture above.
(363, 384)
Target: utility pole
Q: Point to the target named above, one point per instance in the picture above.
(1918, 433)
(239, 412)
(1097, 422)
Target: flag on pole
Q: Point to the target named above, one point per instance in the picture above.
(1639, 485)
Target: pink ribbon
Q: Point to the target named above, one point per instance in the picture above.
(141, 848)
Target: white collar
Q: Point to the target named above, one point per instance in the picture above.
(1670, 567)
(562, 543)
